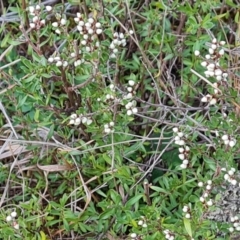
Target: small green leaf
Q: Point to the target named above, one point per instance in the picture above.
(51, 131)
(43, 236)
(187, 224)
(36, 115)
(133, 200)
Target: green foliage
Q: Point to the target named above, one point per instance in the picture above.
(105, 133)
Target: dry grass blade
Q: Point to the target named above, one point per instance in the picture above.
(54, 168)
(9, 150)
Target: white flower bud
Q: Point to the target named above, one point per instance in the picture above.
(59, 63)
(205, 195)
(214, 40)
(226, 176)
(16, 226)
(63, 21)
(188, 215)
(180, 134)
(35, 19)
(31, 9)
(65, 63)
(79, 15)
(183, 166)
(43, 21)
(185, 161)
(209, 182)
(211, 51)
(225, 75)
(129, 89)
(187, 148)
(89, 121)
(90, 31)
(99, 31)
(181, 142)
(129, 112)
(32, 25)
(98, 25)
(38, 7)
(72, 121)
(175, 129)
(77, 121)
(181, 156)
(225, 137)
(134, 110)
(133, 235)
(8, 218)
(232, 143)
(214, 46)
(207, 56)
(76, 20)
(210, 202)
(218, 72)
(181, 150)
(204, 99)
(107, 130)
(200, 184)
(196, 53)
(204, 64)
(213, 101)
(83, 42)
(58, 31)
(81, 23)
(234, 182)
(221, 52)
(48, 8)
(208, 187)
(140, 222)
(91, 20)
(13, 214)
(55, 24)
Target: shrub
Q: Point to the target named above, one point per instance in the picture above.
(119, 120)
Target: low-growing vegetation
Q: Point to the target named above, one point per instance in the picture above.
(119, 120)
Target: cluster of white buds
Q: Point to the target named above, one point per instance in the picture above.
(229, 141)
(118, 41)
(58, 61)
(168, 234)
(186, 211)
(142, 222)
(212, 100)
(130, 89)
(36, 21)
(131, 108)
(178, 138)
(108, 128)
(206, 193)
(88, 30)
(213, 69)
(12, 218)
(183, 155)
(229, 176)
(236, 224)
(111, 96)
(59, 24)
(76, 120)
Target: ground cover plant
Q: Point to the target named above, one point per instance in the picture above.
(119, 120)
